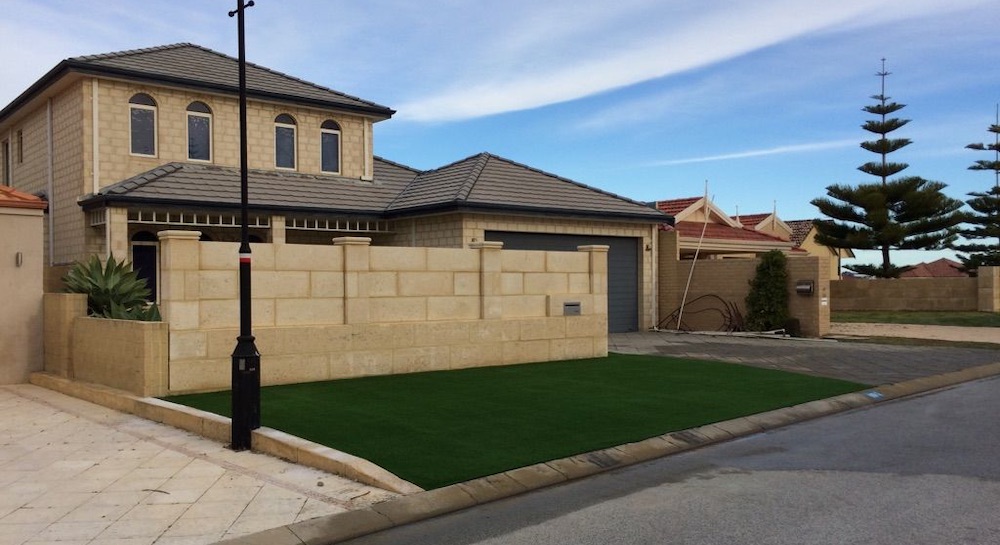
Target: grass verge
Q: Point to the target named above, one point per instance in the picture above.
(967, 319)
(907, 341)
(439, 428)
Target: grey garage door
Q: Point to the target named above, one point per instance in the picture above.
(623, 268)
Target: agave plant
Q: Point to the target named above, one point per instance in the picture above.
(113, 289)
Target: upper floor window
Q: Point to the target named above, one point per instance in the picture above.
(329, 134)
(199, 127)
(5, 161)
(142, 124)
(20, 146)
(284, 141)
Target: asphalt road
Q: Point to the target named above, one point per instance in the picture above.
(924, 470)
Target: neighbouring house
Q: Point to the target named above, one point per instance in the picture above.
(768, 223)
(708, 293)
(21, 217)
(804, 237)
(940, 268)
(704, 229)
(130, 144)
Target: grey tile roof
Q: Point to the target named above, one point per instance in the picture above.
(197, 66)
(480, 182)
(209, 186)
(490, 182)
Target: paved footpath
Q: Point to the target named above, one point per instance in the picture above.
(72, 472)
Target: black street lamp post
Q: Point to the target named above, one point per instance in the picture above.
(246, 359)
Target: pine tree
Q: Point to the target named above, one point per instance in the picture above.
(985, 220)
(906, 213)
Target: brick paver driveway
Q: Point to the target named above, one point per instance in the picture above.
(873, 364)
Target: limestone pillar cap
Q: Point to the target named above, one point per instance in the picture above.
(486, 244)
(352, 241)
(178, 234)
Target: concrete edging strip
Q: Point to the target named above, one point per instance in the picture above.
(340, 527)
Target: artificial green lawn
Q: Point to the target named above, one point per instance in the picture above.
(968, 319)
(439, 428)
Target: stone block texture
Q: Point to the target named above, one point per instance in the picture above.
(327, 312)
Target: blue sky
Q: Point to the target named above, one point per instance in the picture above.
(646, 98)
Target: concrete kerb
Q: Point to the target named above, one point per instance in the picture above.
(263, 440)
(341, 527)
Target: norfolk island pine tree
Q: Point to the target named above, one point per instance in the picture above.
(983, 234)
(905, 213)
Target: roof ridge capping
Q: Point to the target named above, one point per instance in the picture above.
(140, 179)
(86, 59)
(128, 52)
(477, 171)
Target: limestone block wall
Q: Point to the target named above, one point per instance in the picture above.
(989, 289)
(729, 279)
(123, 354)
(931, 294)
(21, 265)
(325, 312)
(128, 355)
(115, 163)
(46, 147)
(463, 230)
(61, 310)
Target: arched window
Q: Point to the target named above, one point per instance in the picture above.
(329, 134)
(199, 127)
(142, 124)
(284, 141)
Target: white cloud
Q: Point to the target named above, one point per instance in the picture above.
(777, 150)
(681, 40)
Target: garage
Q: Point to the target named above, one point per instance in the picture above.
(623, 268)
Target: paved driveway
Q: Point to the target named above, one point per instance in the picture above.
(873, 364)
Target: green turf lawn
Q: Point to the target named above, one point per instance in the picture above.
(439, 428)
(969, 319)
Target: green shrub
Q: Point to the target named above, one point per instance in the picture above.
(113, 290)
(767, 302)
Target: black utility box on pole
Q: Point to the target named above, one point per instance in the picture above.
(246, 359)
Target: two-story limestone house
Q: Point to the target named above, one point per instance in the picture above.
(124, 145)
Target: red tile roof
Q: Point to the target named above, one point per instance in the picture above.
(714, 231)
(676, 206)
(942, 268)
(751, 220)
(12, 198)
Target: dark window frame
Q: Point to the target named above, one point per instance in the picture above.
(285, 132)
(141, 105)
(199, 112)
(330, 132)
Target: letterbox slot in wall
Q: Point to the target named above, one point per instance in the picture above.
(571, 308)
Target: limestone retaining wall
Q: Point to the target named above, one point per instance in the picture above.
(325, 312)
(123, 354)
